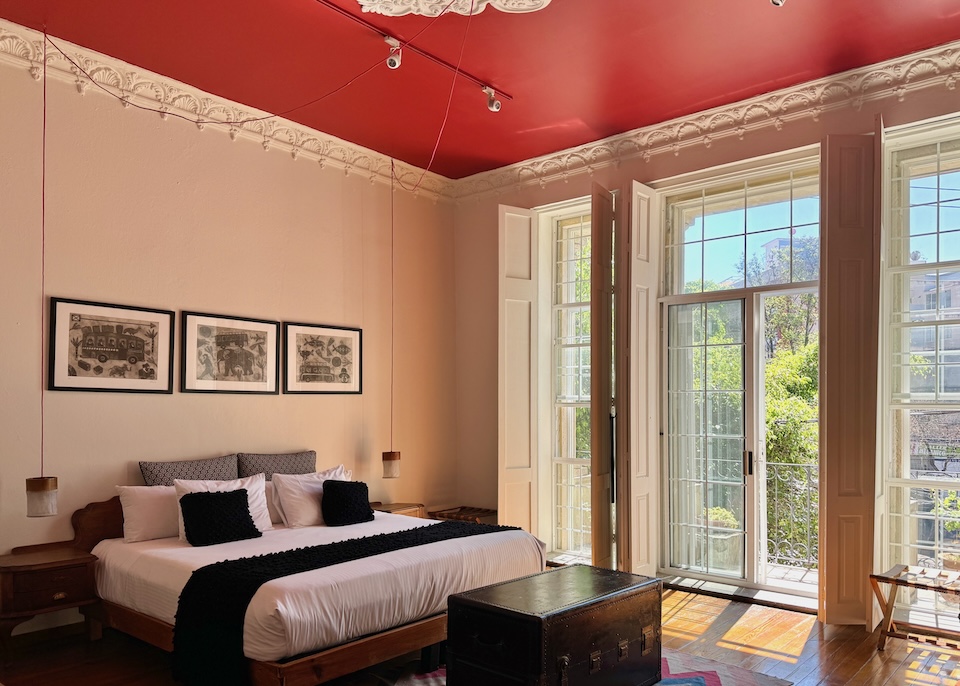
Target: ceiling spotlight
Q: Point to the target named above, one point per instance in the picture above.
(493, 104)
(396, 54)
(777, 3)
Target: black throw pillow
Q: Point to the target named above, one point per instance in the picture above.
(220, 517)
(345, 502)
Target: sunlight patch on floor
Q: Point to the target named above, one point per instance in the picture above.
(789, 658)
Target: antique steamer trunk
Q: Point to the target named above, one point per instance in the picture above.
(563, 627)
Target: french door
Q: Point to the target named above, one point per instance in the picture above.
(742, 458)
(709, 485)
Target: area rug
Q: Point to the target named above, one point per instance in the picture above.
(679, 669)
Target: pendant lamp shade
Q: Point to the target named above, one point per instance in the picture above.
(391, 464)
(42, 496)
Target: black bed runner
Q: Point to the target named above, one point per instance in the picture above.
(208, 634)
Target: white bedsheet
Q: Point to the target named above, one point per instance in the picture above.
(321, 608)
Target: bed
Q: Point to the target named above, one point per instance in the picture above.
(311, 627)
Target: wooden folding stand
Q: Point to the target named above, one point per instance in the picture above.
(921, 578)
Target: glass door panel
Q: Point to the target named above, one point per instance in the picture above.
(706, 437)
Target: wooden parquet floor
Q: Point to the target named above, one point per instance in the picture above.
(780, 643)
(797, 647)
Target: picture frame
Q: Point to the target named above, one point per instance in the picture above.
(320, 358)
(224, 354)
(97, 346)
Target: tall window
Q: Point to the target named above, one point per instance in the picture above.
(571, 385)
(742, 264)
(922, 355)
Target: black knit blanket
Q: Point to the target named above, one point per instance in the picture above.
(208, 633)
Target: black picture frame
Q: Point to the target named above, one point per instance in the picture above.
(105, 347)
(227, 354)
(321, 358)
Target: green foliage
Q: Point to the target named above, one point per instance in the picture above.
(949, 509)
(722, 518)
(792, 438)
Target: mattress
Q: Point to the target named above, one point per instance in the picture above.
(306, 612)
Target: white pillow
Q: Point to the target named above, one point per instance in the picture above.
(149, 512)
(298, 495)
(275, 516)
(256, 497)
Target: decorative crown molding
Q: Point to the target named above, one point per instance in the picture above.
(897, 78)
(434, 8)
(23, 47)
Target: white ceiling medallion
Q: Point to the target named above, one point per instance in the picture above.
(433, 8)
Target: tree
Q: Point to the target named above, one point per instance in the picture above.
(792, 449)
(151, 333)
(75, 341)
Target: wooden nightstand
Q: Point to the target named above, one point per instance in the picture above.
(33, 583)
(409, 509)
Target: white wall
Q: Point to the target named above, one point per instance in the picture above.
(147, 212)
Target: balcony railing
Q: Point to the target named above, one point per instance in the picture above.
(793, 514)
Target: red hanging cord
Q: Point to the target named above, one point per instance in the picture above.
(392, 290)
(43, 240)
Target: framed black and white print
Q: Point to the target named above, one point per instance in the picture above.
(321, 359)
(103, 347)
(222, 354)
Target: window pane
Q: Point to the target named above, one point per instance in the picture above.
(725, 322)
(922, 249)
(768, 258)
(686, 416)
(806, 203)
(572, 438)
(744, 234)
(949, 294)
(572, 508)
(806, 253)
(572, 325)
(768, 208)
(949, 181)
(725, 459)
(724, 367)
(949, 218)
(950, 245)
(723, 264)
(692, 274)
(923, 191)
(726, 220)
(923, 219)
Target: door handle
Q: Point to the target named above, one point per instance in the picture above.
(748, 463)
(613, 455)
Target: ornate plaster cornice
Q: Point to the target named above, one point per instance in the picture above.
(895, 79)
(433, 8)
(23, 47)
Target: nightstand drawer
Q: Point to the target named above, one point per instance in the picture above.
(67, 594)
(51, 579)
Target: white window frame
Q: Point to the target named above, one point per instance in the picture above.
(898, 139)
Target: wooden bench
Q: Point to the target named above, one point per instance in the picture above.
(921, 578)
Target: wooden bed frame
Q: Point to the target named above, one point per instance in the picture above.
(101, 520)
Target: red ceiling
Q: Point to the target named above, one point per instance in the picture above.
(578, 71)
